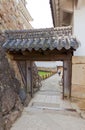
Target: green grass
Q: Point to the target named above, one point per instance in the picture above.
(43, 73)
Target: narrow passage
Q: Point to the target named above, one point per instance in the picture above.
(47, 110)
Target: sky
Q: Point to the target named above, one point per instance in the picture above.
(40, 12)
(49, 64)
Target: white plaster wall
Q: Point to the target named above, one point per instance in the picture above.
(79, 29)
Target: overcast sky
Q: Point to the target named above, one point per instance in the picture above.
(40, 12)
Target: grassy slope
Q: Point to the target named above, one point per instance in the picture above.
(42, 73)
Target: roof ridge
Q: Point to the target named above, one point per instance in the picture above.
(40, 29)
(38, 33)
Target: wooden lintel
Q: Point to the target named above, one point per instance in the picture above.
(41, 56)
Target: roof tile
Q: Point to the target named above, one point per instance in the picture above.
(50, 38)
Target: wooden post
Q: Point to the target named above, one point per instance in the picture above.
(28, 68)
(67, 78)
(31, 65)
(29, 78)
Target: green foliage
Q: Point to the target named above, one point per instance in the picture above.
(44, 74)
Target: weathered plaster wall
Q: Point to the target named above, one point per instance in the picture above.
(67, 5)
(79, 29)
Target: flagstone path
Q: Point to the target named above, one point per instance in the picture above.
(48, 111)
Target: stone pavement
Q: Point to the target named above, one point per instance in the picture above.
(47, 110)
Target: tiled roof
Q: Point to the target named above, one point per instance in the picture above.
(49, 38)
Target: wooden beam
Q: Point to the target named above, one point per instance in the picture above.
(41, 56)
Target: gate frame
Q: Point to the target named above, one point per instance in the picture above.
(48, 55)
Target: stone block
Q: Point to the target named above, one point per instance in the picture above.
(78, 74)
(78, 60)
(8, 100)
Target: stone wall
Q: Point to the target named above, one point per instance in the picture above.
(9, 87)
(78, 76)
(14, 15)
(36, 78)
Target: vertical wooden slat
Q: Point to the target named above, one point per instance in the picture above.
(21, 72)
